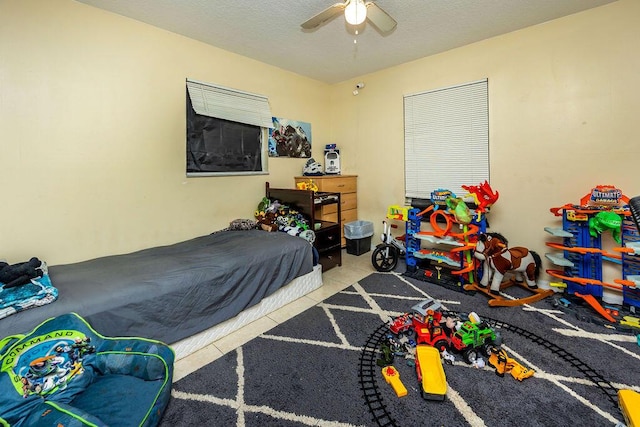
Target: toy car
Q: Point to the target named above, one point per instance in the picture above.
(473, 337)
(430, 373)
(401, 324)
(423, 323)
(629, 401)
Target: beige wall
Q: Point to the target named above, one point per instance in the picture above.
(563, 104)
(92, 129)
(92, 126)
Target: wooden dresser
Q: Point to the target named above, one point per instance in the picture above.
(347, 186)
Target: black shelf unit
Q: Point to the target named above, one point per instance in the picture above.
(328, 241)
(328, 234)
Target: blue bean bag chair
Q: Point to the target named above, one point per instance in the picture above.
(64, 373)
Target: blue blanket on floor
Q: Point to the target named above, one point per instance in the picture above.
(38, 292)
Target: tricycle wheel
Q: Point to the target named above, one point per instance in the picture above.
(384, 258)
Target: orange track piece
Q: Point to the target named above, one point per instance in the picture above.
(574, 249)
(473, 229)
(428, 209)
(463, 248)
(625, 250)
(589, 250)
(585, 210)
(560, 275)
(627, 283)
(596, 306)
(610, 255)
(434, 222)
(581, 280)
(468, 268)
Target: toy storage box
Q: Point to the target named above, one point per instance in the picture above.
(358, 236)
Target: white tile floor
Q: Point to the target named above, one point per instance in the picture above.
(353, 269)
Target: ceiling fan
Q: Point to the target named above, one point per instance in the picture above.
(355, 12)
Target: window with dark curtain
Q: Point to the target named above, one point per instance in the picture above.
(218, 145)
(227, 130)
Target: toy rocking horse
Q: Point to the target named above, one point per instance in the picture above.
(498, 259)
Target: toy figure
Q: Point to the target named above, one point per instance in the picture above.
(483, 195)
(603, 221)
(21, 273)
(387, 355)
(460, 210)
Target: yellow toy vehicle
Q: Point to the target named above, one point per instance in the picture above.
(430, 372)
(503, 364)
(629, 403)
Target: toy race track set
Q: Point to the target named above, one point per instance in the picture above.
(457, 226)
(449, 260)
(461, 255)
(579, 259)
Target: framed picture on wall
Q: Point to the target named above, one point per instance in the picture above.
(290, 138)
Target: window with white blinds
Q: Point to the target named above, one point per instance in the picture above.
(226, 131)
(446, 137)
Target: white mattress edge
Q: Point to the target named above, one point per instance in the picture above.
(295, 289)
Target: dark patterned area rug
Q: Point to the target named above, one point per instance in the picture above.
(308, 370)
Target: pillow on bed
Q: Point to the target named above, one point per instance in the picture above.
(243, 224)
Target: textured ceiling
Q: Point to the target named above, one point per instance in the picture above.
(269, 30)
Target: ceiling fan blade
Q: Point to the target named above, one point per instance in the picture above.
(324, 16)
(380, 18)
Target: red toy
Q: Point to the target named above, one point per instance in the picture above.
(423, 323)
(483, 195)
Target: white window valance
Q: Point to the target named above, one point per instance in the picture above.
(229, 104)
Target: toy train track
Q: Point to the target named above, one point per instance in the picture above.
(369, 371)
(589, 373)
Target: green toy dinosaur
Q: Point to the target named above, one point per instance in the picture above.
(460, 210)
(604, 221)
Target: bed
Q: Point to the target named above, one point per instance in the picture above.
(186, 294)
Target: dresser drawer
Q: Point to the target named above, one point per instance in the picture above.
(339, 184)
(331, 258)
(327, 238)
(348, 201)
(348, 216)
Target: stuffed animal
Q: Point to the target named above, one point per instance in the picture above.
(21, 273)
(266, 221)
(273, 215)
(243, 224)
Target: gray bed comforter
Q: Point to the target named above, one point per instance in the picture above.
(171, 292)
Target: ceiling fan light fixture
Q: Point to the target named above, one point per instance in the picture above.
(356, 12)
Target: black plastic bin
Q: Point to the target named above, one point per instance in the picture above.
(358, 235)
(358, 246)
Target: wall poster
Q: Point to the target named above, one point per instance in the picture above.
(290, 138)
